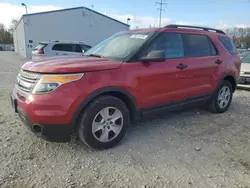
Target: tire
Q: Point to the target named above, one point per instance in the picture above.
(93, 128)
(215, 104)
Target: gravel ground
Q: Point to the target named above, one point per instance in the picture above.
(186, 149)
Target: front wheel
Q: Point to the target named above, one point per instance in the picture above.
(222, 98)
(104, 122)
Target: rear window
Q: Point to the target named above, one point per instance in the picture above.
(41, 46)
(228, 44)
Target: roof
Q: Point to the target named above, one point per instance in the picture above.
(181, 29)
(64, 41)
(67, 9)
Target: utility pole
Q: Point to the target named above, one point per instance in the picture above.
(161, 3)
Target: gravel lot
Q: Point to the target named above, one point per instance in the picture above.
(186, 149)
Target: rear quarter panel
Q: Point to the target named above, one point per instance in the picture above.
(231, 62)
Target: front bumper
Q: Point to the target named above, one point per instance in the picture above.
(50, 132)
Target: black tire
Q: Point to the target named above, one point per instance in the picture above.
(214, 106)
(84, 129)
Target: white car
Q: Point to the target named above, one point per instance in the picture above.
(244, 81)
(59, 48)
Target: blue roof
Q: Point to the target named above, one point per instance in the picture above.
(74, 9)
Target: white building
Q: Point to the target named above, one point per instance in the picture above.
(79, 23)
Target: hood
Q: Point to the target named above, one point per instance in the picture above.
(245, 67)
(70, 64)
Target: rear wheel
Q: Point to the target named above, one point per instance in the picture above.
(104, 122)
(222, 98)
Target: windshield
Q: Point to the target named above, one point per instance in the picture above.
(246, 57)
(119, 46)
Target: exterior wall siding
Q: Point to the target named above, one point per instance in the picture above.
(19, 39)
(76, 24)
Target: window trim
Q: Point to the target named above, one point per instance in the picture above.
(208, 38)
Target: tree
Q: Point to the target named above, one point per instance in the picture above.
(5, 35)
(240, 36)
(13, 25)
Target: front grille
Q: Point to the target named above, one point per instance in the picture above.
(26, 82)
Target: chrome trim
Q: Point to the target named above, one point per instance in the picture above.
(26, 82)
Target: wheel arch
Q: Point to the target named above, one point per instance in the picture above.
(118, 92)
(230, 77)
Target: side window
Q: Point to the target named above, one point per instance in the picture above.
(228, 44)
(170, 43)
(85, 47)
(196, 45)
(212, 48)
(63, 47)
(77, 48)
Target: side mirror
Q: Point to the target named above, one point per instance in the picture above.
(154, 56)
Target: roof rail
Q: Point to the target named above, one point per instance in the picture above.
(195, 27)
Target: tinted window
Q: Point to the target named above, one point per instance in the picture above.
(63, 47)
(77, 48)
(170, 43)
(228, 44)
(196, 45)
(212, 48)
(85, 47)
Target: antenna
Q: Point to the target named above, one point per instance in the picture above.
(161, 3)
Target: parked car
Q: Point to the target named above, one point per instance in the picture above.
(241, 50)
(244, 81)
(129, 75)
(59, 48)
(242, 54)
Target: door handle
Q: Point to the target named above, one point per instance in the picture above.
(181, 66)
(218, 62)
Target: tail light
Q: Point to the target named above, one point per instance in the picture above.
(39, 52)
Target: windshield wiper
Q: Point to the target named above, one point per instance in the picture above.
(95, 55)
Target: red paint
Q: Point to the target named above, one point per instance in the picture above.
(149, 83)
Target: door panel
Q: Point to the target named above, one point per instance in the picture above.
(200, 57)
(200, 73)
(162, 82)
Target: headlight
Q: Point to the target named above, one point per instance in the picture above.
(48, 83)
(241, 73)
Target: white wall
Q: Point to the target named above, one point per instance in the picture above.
(19, 39)
(76, 24)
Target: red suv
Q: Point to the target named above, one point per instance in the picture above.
(131, 74)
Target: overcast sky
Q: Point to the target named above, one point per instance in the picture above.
(143, 13)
